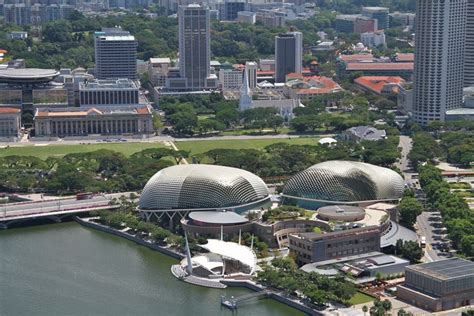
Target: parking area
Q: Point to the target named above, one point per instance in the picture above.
(438, 246)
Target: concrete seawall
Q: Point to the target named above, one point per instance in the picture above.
(139, 241)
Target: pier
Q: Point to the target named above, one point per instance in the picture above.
(233, 302)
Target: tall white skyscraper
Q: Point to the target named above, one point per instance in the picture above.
(439, 58)
(469, 53)
(288, 54)
(251, 68)
(194, 45)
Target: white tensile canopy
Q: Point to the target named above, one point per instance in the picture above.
(232, 251)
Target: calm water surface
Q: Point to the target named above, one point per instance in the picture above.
(66, 269)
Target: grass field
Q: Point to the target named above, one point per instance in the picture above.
(44, 152)
(201, 146)
(360, 298)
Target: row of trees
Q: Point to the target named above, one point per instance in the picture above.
(284, 159)
(97, 171)
(284, 275)
(119, 220)
(457, 216)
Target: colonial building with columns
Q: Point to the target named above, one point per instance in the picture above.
(9, 122)
(83, 121)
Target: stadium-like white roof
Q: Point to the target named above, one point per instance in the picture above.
(345, 181)
(202, 187)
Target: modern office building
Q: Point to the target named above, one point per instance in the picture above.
(288, 55)
(108, 92)
(314, 247)
(343, 182)
(230, 79)
(251, 67)
(10, 122)
(404, 19)
(439, 285)
(439, 58)
(188, 188)
(81, 121)
(355, 23)
(378, 13)
(115, 54)
(469, 53)
(194, 45)
(270, 19)
(229, 10)
(35, 14)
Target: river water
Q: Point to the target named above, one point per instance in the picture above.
(66, 269)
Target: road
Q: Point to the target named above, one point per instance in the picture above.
(154, 139)
(29, 208)
(403, 163)
(424, 224)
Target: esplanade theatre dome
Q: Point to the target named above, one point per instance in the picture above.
(203, 187)
(343, 182)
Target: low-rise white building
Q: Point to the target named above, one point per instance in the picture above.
(246, 17)
(158, 69)
(373, 39)
(17, 35)
(230, 79)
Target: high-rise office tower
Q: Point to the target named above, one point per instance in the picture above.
(115, 54)
(288, 54)
(439, 58)
(469, 53)
(251, 69)
(378, 13)
(194, 45)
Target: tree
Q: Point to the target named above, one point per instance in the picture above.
(409, 250)
(380, 308)
(275, 122)
(409, 208)
(467, 245)
(403, 312)
(229, 116)
(184, 122)
(209, 125)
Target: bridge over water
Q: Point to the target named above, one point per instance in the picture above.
(55, 210)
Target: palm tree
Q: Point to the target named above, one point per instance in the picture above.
(365, 309)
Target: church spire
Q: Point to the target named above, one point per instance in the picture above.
(245, 101)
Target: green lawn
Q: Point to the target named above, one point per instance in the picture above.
(201, 146)
(44, 152)
(360, 298)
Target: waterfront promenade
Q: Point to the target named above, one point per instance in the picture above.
(278, 296)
